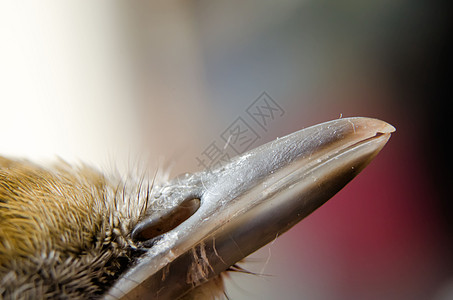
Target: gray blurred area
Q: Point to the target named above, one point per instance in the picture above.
(92, 81)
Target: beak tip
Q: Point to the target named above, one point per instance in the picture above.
(376, 125)
(390, 128)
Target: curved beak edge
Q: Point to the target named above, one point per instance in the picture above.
(255, 198)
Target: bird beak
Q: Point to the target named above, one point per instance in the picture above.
(225, 214)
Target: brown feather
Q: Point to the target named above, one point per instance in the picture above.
(63, 231)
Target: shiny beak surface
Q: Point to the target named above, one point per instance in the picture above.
(247, 203)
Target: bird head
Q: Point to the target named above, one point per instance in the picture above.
(77, 233)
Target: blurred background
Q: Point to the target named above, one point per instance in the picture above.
(104, 81)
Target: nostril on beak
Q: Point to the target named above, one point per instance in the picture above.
(153, 227)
